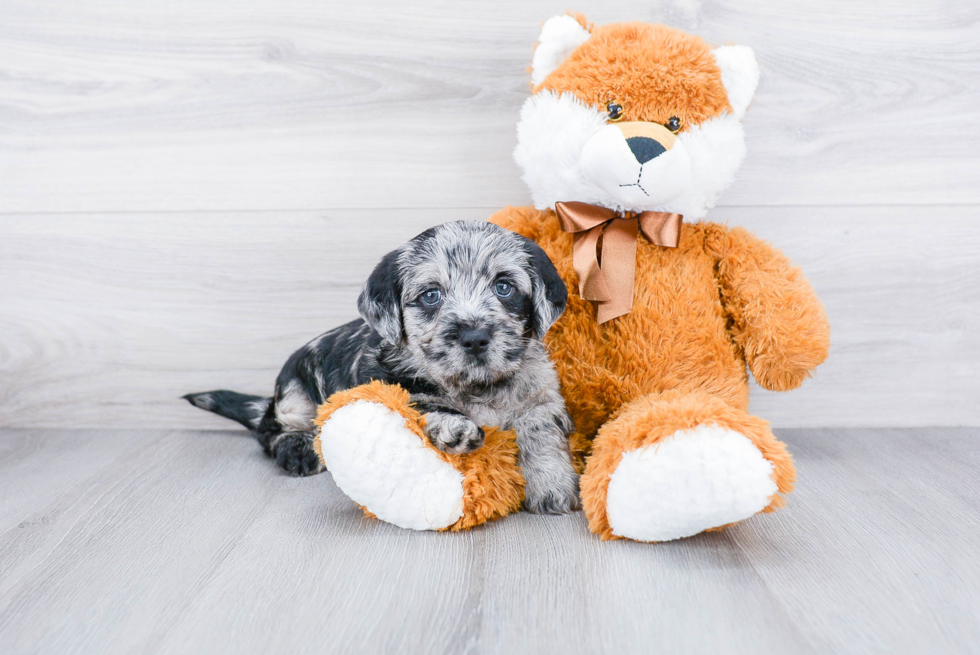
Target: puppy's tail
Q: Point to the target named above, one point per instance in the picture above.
(247, 410)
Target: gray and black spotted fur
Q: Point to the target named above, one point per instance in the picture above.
(474, 358)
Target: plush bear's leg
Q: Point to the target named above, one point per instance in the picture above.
(371, 440)
(674, 464)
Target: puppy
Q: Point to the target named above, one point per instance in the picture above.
(456, 317)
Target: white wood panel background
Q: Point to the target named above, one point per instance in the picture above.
(191, 190)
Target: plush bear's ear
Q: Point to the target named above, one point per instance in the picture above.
(380, 300)
(739, 74)
(559, 36)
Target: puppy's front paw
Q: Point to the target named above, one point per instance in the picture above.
(556, 496)
(453, 433)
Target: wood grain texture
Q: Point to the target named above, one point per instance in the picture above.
(193, 542)
(38, 467)
(191, 190)
(107, 320)
(268, 105)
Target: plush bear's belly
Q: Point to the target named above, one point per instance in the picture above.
(676, 336)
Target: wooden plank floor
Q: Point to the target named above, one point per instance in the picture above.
(192, 542)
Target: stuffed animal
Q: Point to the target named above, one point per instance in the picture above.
(631, 133)
(371, 440)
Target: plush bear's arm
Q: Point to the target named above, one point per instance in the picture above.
(776, 317)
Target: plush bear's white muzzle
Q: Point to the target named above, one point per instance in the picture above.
(638, 164)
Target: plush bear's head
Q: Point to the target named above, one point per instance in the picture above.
(633, 117)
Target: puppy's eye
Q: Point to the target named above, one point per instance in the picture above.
(614, 110)
(431, 298)
(674, 124)
(503, 289)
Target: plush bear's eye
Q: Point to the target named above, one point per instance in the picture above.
(614, 110)
(674, 124)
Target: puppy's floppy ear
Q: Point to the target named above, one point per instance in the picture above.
(380, 300)
(549, 294)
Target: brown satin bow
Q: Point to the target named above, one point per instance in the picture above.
(611, 283)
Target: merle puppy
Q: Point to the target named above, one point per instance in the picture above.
(455, 316)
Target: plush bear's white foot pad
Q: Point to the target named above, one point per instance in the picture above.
(382, 465)
(693, 480)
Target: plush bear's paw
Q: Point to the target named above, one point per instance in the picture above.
(694, 480)
(384, 466)
(453, 433)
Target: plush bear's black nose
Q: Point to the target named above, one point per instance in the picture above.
(474, 340)
(644, 148)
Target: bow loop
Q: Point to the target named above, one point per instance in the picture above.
(661, 228)
(610, 283)
(580, 217)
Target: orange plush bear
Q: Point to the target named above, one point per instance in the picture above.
(631, 133)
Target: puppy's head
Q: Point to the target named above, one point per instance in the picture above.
(464, 300)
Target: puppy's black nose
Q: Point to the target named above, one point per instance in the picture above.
(474, 340)
(644, 148)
